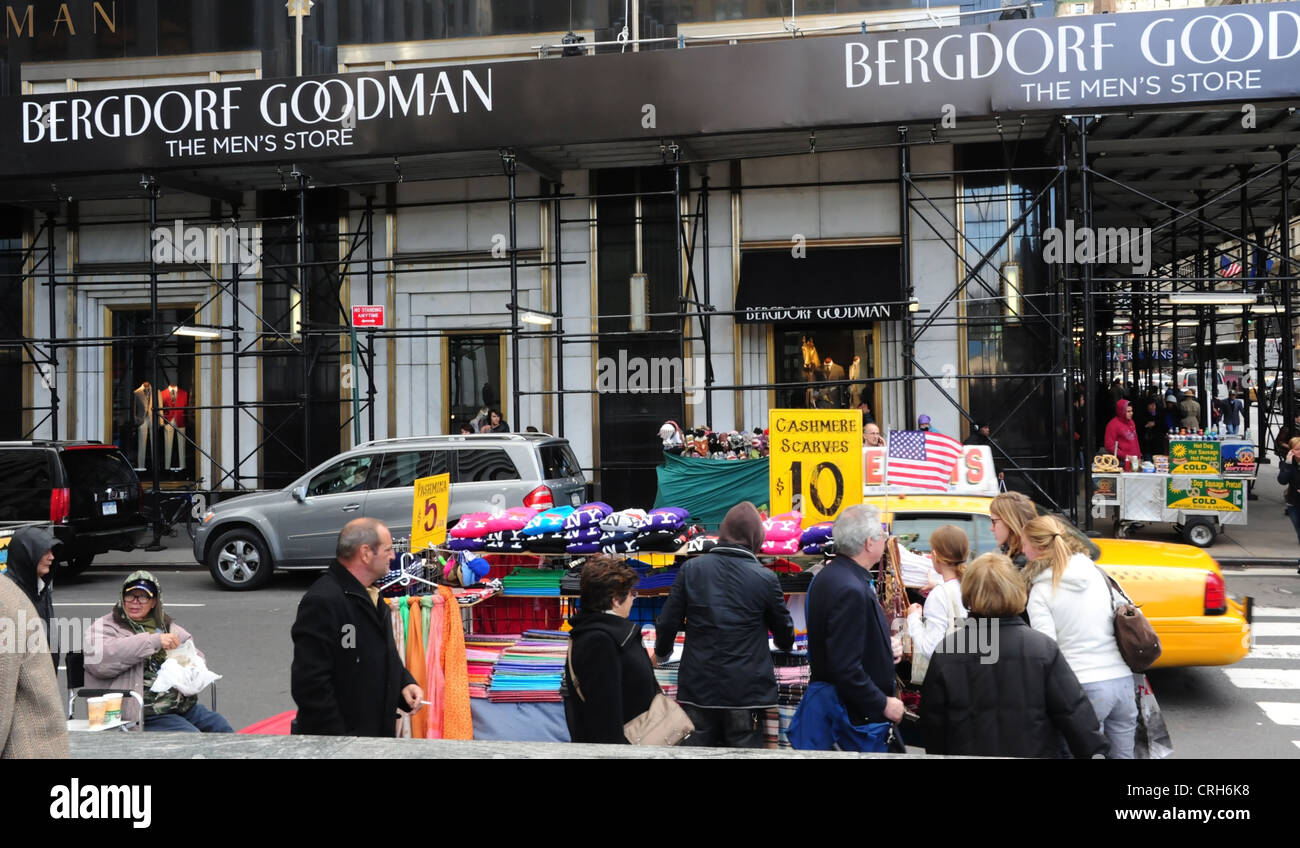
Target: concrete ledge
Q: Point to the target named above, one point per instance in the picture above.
(187, 746)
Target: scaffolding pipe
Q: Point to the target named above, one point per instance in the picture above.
(1089, 318)
(370, 298)
(559, 308)
(235, 396)
(905, 274)
(53, 380)
(155, 455)
(508, 161)
(1287, 348)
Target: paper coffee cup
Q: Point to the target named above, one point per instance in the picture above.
(112, 709)
(95, 708)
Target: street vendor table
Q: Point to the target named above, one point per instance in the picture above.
(1204, 490)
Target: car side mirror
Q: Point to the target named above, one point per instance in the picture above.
(300, 494)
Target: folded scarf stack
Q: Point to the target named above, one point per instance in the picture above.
(532, 581)
(815, 539)
(781, 533)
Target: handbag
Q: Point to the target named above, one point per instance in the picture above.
(665, 723)
(822, 724)
(1136, 638)
(1151, 741)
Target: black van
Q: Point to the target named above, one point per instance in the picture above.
(87, 491)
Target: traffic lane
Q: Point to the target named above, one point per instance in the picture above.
(1211, 716)
(244, 635)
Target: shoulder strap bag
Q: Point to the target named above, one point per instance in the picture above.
(1136, 638)
(665, 723)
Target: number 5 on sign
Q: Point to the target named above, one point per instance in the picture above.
(816, 462)
(429, 514)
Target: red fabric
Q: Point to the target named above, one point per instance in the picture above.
(276, 725)
(173, 408)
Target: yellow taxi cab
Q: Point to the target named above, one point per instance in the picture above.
(1179, 588)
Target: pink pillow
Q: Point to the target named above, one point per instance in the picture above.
(783, 527)
(472, 525)
(512, 519)
(788, 546)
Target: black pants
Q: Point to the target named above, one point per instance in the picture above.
(721, 728)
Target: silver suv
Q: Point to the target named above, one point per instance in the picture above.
(243, 540)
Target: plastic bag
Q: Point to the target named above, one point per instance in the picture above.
(1152, 741)
(185, 671)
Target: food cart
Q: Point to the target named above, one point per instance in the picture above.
(1201, 489)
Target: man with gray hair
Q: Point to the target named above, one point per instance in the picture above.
(346, 678)
(849, 645)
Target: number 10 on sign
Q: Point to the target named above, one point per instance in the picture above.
(816, 462)
(429, 513)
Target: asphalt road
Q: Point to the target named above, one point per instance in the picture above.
(1211, 712)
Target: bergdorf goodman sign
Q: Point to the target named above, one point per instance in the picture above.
(1069, 65)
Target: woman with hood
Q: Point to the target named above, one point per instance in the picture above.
(609, 678)
(31, 555)
(126, 648)
(728, 603)
(1121, 434)
(1070, 601)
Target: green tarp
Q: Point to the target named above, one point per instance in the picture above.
(710, 487)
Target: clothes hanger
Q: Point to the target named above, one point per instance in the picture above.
(405, 578)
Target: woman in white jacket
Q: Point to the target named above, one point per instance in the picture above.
(1070, 601)
(949, 550)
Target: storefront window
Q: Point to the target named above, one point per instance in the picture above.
(817, 354)
(134, 396)
(473, 378)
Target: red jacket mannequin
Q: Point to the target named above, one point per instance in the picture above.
(172, 401)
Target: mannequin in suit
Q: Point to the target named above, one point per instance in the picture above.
(142, 407)
(173, 401)
(855, 390)
(830, 395)
(811, 366)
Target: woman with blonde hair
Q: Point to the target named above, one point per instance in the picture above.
(949, 550)
(1070, 601)
(1003, 690)
(1010, 512)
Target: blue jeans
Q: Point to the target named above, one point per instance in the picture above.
(199, 719)
(1115, 703)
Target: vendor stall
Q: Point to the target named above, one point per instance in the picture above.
(1200, 487)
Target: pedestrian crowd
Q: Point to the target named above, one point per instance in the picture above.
(1054, 684)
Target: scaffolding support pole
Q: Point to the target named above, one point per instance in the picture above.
(559, 310)
(905, 274)
(1089, 317)
(370, 298)
(705, 324)
(235, 396)
(1200, 268)
(304, 306)
(155, 456)
(511, 168)
(1067, 319)
(1287, 348)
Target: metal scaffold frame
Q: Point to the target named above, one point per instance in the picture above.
(1066, 307)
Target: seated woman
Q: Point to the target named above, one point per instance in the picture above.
(1018, 698)
(125, 649)
(609, 678)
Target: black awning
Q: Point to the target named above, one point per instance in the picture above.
(827, 285)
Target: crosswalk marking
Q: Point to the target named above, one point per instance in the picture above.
(1282, 713)
(1277, 612)
(1264, 678)
(1266, 628)
(1274, 652)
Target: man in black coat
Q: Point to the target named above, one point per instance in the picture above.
(728, 602)
(849, 645)
(30, 558)
(347, 679)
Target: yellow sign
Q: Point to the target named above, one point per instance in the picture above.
(1214, 494)
(429, 514)
(816, 462)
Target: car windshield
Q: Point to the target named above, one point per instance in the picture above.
(978, 529)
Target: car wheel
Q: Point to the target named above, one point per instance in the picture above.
(1200, 532)
(239, 560)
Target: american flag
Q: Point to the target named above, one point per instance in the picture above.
(1229, 267)
(920, 459)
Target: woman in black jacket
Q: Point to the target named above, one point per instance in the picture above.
(996, 688)
(608, 680)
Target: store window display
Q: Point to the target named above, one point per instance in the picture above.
(141, 409)
(825, 358)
